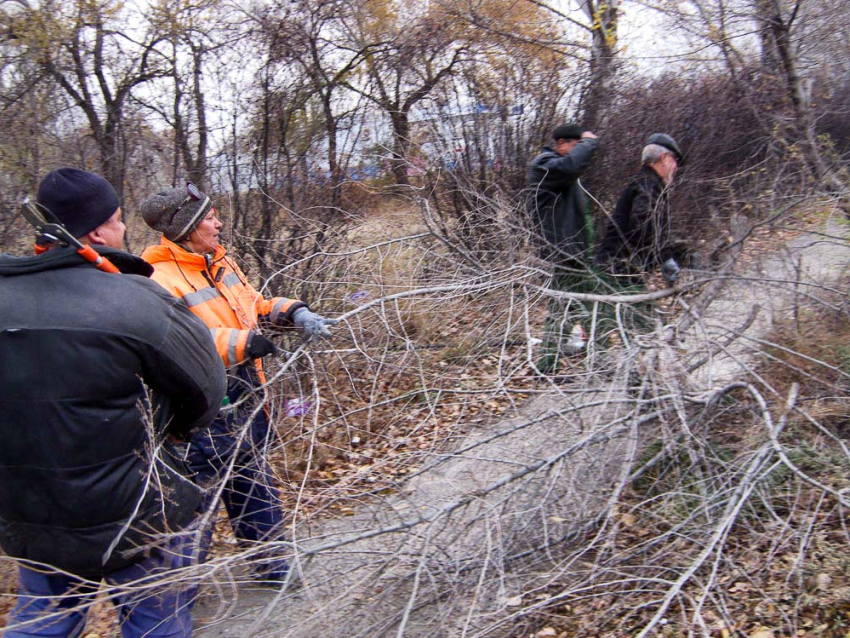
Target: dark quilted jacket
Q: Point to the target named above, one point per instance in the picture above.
(78, 348)
(637, 237)
(557, 204)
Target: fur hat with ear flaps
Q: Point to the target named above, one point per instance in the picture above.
(173, 216)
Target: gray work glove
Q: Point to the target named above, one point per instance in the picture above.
(312, 324)
(670, 271)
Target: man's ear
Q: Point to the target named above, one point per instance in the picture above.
(94, 238)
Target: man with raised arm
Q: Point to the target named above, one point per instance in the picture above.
(562, 226)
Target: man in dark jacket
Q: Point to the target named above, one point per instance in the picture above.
(637, 238)
(562, 228)
(558, 206)
(100, 373)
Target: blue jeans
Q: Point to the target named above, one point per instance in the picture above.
(253, 507)
(54, 605)
(249, 495)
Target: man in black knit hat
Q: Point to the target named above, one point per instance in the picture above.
(100, 372)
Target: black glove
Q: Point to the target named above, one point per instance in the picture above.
(258, 346)
(670, 271)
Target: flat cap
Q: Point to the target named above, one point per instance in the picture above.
(567, 132)
(662, 139)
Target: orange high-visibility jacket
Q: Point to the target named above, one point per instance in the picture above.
(217, 291)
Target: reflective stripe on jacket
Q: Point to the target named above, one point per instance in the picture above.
(216, 290)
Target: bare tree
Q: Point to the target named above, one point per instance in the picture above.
(89, 50)
(311, 35)
(414, 56)
(781, 34)
(600, 24)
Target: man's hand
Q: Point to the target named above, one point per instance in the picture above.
(312, 324)
(590, 135)
(670, 271)
(258, 346)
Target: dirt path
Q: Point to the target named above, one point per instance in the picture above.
(453, 552)
(768, 290)
(394, 560)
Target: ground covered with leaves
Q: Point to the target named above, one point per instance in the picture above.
(413, 376)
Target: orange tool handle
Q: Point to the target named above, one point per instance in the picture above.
(102, 263)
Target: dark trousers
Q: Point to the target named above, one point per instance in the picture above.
(599, 321)
(253, 507)
(225, 453)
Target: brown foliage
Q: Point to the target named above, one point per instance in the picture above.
(722, 125)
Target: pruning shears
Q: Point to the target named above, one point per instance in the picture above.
(48, 230)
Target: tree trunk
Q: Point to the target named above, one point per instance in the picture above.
(333, 162)
(401, 146)
(198, 170)
(603, 19)
(777, 31)
(111, 157)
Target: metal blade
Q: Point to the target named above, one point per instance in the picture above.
(47, 226)
(32, 212)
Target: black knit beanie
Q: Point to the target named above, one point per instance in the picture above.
(567, 132)
(80, 200)
(161, 213)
